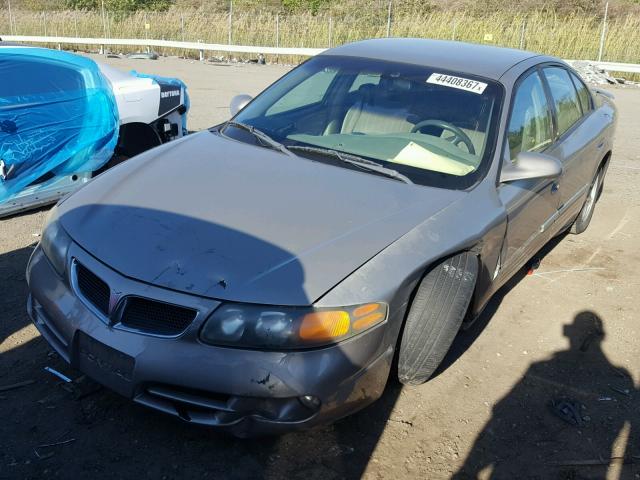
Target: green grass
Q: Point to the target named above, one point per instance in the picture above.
(574, 36)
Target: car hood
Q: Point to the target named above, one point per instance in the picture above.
(216, 217)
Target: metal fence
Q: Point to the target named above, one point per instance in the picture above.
(207, 47)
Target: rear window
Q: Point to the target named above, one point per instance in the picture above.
(27, 77)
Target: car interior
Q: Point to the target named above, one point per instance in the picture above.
(395, 119)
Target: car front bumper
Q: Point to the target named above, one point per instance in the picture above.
(248, 392)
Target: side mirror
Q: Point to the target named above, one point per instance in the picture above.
(530, 165)
(239, 102)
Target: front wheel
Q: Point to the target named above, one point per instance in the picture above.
(435, 316)
(584, 217)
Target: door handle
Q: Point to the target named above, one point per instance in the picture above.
(555, 186)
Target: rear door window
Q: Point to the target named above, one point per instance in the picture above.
(365, 79)
(565, 97)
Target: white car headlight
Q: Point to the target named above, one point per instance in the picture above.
(55, 242)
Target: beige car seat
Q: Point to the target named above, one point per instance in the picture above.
(380, 109)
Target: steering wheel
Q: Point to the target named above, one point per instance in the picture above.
(458, 135)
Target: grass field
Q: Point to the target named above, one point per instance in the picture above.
(574, 36)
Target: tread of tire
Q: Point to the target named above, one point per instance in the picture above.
(435, 316)
(578, 226)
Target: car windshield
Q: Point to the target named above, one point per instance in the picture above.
(435, 127)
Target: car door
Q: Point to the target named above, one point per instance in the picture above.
(530, 203)
(575, 145)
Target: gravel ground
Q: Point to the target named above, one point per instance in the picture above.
(485, 415)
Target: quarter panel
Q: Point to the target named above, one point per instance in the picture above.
(580, 155)
(477, 222)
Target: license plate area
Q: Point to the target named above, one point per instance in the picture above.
(104, 364)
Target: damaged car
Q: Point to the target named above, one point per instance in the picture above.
(333, 236)
(65, 118)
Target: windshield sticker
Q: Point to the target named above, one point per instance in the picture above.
(457, 82)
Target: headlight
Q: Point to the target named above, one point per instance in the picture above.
(55, 242)
(260, 326)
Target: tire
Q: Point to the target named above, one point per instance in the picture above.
(435, 316)
(581, 223)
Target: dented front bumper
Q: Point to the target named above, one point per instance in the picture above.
(248, 392)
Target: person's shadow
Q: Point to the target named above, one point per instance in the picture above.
(572, 416)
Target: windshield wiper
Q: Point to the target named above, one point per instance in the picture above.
(260, 135)
(354, 160)
(342, 156)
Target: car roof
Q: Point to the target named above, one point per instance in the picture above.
(483, 60)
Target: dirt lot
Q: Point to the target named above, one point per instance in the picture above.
(487, 410)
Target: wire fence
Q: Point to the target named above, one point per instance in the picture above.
(575, 36)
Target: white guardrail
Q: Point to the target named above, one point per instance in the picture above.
(618, 67)
(166, 44)
(219, 47)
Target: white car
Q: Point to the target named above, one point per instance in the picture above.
(82, 117)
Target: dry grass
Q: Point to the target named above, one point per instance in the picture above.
(574, 36)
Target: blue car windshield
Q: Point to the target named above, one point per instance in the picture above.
(434, 126)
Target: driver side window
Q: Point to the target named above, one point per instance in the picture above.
(308, 92)
(530, 123)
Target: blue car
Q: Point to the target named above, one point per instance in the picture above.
(64, 118)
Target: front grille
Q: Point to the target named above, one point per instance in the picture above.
(94, 289)
(156, 317)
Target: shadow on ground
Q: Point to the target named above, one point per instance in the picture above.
(468, 336)
(572, 416)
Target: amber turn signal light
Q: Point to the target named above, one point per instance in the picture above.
(324, 325)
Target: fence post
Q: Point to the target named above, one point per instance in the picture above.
(604, 31)
(104, 24)
(330, 32)
(44, 21)
(277, 36)
(184, 52)
(75, 22)
(146, 31)
(453, 33)
(389, 19)
(230, 21)
(10, 18)
(522, 33)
